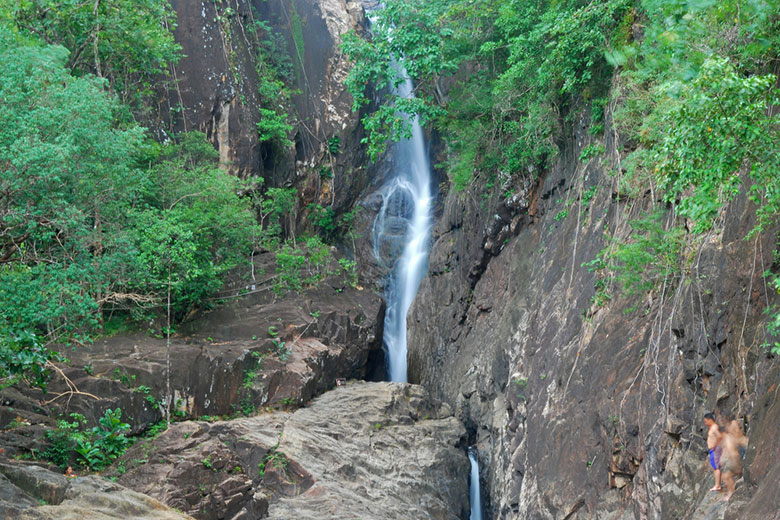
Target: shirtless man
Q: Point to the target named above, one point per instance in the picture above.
(713, 445)
(733, 442)
(733, 428)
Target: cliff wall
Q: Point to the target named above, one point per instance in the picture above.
(215, 85)
(582, 410)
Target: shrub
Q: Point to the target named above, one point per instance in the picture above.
(94, 448)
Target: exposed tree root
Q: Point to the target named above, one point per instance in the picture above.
(72, 388)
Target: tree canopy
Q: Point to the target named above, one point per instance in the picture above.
(687, 92)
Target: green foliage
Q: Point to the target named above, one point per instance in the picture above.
(412, 24)
(129, 42)
(520, 385)
(148, 397)
(695, 85)
(696, 102)
(391, 121)
(193, 228)
(64, 161)
(23, 357)
(649, 256)
(527, 60)
(273, 50)
(123, 377)
(93, 448)
(350, 271)
(334, 144)
(246, 404)
(329, 226)
(714, 126)
(274, 458)
(324, 219)
(208, 464)
(273, 207)
(274, 72)
(61, 440)
(300, 267)
(591, 151)
(597, 116)
(156, 429)
(97, 217)
(773, 324)
(273, 126)
(588, 195)
(281, 350)
(290, 262)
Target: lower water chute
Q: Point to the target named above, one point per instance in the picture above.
(474, 492)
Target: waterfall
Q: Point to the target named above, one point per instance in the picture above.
(405, 215)
(474, 496)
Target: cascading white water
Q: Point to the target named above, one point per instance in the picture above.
(404, 222)
(474, 496)
(405, 214)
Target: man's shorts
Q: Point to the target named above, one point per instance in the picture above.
(715, 457)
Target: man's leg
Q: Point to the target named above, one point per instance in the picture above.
(716, 487)
(728, 476)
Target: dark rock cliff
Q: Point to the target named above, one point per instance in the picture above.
(215, 90)
(581, 411)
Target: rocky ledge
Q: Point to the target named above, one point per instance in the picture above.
(363, 450)
(261, 351)
(29, 492)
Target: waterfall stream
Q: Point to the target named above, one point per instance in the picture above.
(474, 493)
(405, 215)
(401, 232)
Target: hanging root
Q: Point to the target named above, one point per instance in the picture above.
(72, 388)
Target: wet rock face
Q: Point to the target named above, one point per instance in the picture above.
(588, 411)
(260, 351)
(35, 493)
(367, 450)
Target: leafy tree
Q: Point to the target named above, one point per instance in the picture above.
(275, 207)
(302, 266)
(67, 176)
(128, 42)
(94, 216)
(718, 124)
(189, 223)
(517, 64)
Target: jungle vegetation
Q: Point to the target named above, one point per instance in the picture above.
(687, 91)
